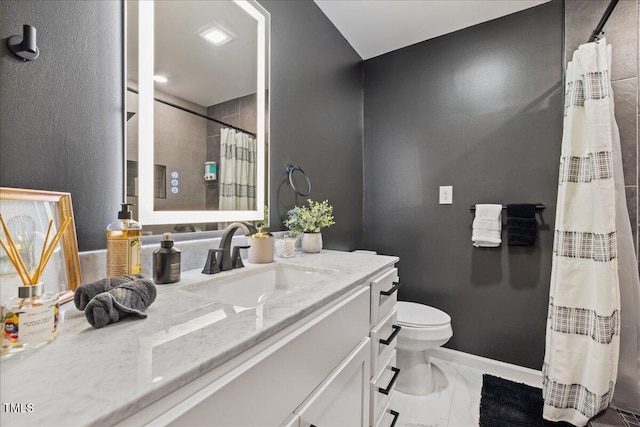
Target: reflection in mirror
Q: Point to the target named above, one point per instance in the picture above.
(197, 152)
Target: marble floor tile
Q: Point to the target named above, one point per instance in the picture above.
(465, 408)
(434, 409)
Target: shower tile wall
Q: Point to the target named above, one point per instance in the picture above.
(240, 112)
(178, 136)
(621, 31)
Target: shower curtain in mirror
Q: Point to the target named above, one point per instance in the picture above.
(593, 253)
(237, 171)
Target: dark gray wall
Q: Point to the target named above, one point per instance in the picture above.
(479, 109)
(316, 116)
(61, 115)
(62, 120)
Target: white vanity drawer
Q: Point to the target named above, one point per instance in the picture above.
(384, 295)
(388, 418)
(275, 381)
(384, 337)
(292, 421)
(382, 387)
(342, 399)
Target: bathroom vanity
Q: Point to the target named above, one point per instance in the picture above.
(299, 342)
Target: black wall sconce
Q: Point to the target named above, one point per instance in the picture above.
(24, 47)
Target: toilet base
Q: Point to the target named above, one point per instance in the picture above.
(416, 376)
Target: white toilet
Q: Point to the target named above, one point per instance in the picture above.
(423, 328)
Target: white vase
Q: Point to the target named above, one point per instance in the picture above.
(311, 242)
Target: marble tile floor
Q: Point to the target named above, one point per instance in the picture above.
(456, 401)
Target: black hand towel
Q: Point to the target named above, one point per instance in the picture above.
(130, 298)
(85, 293)
(522, 226)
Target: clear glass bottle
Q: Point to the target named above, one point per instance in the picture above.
(124, 245)
(29, 320)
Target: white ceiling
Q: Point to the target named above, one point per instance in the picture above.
(375, 27)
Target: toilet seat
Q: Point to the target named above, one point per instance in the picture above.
(413, 315)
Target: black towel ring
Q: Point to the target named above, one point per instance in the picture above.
(292, 168)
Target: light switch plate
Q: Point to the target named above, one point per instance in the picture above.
(446, 194)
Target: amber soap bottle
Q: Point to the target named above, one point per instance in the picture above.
(124, 245)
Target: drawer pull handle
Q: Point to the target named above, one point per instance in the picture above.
(395, 287)
(395, 417)
(387, 390)
(396, 331)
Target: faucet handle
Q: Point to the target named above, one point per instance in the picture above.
(236, 259)
(211, 266)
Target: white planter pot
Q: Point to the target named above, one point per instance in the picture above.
(311, 242)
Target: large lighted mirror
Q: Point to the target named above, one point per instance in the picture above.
(197, 107)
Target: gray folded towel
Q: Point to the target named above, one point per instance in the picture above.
(122, 301)
(84, 293)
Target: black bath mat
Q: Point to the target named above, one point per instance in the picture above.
(505, 403)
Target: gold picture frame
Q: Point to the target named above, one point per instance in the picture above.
(27, 214)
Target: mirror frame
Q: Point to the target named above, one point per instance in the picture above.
(146, 213)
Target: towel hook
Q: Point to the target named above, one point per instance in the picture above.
(289, 169)
(24, 47)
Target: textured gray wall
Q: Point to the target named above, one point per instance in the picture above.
(316, 116)
(62, 115)
(479, 109)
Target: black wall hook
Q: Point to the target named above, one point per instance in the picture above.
(24, 47)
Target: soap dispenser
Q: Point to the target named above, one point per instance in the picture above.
(166, 262)
(124, 245)
(261, 247)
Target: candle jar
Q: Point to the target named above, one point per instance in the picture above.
(29, 320)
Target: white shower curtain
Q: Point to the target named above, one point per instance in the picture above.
(592, 245)
(237, 171)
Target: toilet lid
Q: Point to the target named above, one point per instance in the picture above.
(413, 314)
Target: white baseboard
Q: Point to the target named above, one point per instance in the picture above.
(504, 370)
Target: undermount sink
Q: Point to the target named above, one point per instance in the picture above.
(253, 287)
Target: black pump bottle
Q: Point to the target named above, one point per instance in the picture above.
(166, 262)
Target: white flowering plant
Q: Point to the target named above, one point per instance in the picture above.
(310, 219)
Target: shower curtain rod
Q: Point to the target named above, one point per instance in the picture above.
(171, 104)
(607, 13)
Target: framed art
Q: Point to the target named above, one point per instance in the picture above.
(27, 214)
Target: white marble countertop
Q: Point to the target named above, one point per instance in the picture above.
(100, 376)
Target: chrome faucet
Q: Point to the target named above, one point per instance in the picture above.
(225, 261)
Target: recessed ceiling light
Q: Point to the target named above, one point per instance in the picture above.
(160, 79)
(216, 35)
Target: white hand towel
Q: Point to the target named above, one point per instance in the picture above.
(487, 226)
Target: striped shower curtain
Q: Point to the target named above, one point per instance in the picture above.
(583, 325)
(237, 171)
